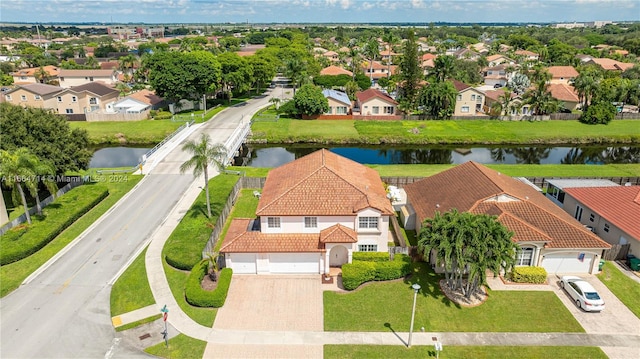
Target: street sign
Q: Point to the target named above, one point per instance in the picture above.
(165, 316)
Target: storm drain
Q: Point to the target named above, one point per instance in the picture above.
(145, 336)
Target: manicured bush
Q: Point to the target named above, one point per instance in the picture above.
(199, 297)
(184, 247)
(361, 271)
(161, 115)
(371, 256)
(535, 275)
(25, 240)
(599, 113)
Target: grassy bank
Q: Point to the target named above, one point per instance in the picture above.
(127, 133)
(13, 274)
(444, 132)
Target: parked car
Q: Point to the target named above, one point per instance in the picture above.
(583, 293)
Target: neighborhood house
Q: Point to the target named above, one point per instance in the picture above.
(313, 213)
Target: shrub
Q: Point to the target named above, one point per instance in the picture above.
(361, 271)
(599, 113)
(535, 275)
(22, 242)
(199, 297)
(161, 115)
(371, 256)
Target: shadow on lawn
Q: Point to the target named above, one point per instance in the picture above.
(428, 280)
(388, 325)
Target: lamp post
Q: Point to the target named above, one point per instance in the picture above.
(416, 288)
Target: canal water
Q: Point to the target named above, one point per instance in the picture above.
(266, 156)
(110, 157)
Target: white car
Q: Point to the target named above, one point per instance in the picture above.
(583, 293)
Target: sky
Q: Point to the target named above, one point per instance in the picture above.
(316, 11)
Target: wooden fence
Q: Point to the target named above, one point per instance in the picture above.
(616, 252)
(98, 116)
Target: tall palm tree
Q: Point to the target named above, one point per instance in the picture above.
(390, 38)
(204, 153)
(443, 67)
(42, 76)
(16, 171)
(372, 51)
(45, 173)
(296, 70)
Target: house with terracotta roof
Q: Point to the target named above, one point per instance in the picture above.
(332, 56)
(466, 54)
(612, 212)
(375, 103)
(548, 237)
(610, 64)
(469, 101)
(70, 78)
(562, 74)
(33, 95)
(334, 70)
(30, 75)
(313, 213)
(527, 55)
(497, 59)
(339, 102)
(376, 70)
(566, 94)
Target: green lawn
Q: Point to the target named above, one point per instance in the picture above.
(145, 132)
(625, 288)
(181, 346)
(13, 274)
(387, 306)
(177, 280)
(440, 132)
(460, 352)
(133, 280)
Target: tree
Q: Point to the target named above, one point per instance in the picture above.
(296, 70)
(438, 99)
(212, 259)
(204, 153)
(275, 101)
(466, 242)
(309, 100)
(263, 71)
(46, 135)
(599, 113)
(45, 174)
(443, 67)
(466, 71)
(518, 83)
(351, 88)
(540, 99)
(237, 73)
(16, 171)
(586, 84)
(390, 38)
(410, 73)
(126, 65)
(372, 51)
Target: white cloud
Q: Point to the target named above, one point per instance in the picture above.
(418, 4)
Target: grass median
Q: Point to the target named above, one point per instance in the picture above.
(461, 352)
(625, 288)
(287, 130)
(13, 274)
(133, 280)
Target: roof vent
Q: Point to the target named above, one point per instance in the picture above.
(526, 197)
(627, 184)
(437, 205)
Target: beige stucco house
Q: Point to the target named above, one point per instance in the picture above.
(85, 98)
(373, 102)
(469, 101)
(313, 213)
(35, 95)
(70, 78)
(339, 103)
(31, 75)
(548, 237)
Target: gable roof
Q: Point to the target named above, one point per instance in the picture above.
(428, 56)
(335, 70)
(241, 239)
(38, 89)
(338, 234)
(370, 93)
(563, 92)
(337, 95)
(146, 96)
(619, 205)
(322, 184)
(50, 69)
(95, 87)
(566, 72)
(459, 85)
(525, 53)
(471, 187)
(610, 64)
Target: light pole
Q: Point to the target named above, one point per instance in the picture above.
(416, 288)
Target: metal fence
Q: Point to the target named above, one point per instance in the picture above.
(400, 182)
(45, 202)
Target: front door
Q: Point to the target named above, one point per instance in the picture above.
(339, 255)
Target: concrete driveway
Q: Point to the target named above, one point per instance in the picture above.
(616, 318)
(274, 303)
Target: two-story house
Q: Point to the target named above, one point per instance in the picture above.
(469, 101)
(70, 78)
(375, 103)
(35, 75)
(313, 213)
(35, 95)
(562, 74)
(498, 75)
(85, 98)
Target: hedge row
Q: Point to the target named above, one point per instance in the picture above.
(358, 272)
(23, 241)
(371, 256)
(535, 275)
(199, 297)
(183, 249)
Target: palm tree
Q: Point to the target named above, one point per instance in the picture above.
(45, 173)
(354, 54)
(390, 38)
(443, 67)
(275, 101)
(296, 70)
(41, 75)
(372, 51)
(212, 258)
(586, 85)
(16, 171)
(204, 152)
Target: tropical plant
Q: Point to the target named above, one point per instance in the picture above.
(309, 100)
(372, 51)
(599, 113)
(443, 67)
(275, 101)
(410, 73)
(586, 84)
(204, 153)
(296, 70)
(212, 259)
(518, 83)
(16, 171)
(438, 99)
(540, 99)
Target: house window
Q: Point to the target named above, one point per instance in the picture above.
(69, 111)
(525, 257)
(93, 101)
(592, 217)
(578, 214)
(8, 97)
(62, 79)
(74, 99)
(459, 97)
(273, 222)
(389, 110)
(310, 222)
(341, 110)
(36, 97)
(368, 222)
(464, 109)
(23, 77)
(479, 98)
(91, 78)
(59, 98)
(606, 228)
(330, 110)
(375, 110)
(367, 247)
(23, 98)
(473, 97)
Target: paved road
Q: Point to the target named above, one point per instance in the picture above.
(64, 311)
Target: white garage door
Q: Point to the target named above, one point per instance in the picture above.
(567, 263)
(294, 263)
(243, 263)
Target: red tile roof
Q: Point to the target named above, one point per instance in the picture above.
(563, 92)
(471, 187)
(368, 94)
(459, 85)
(428, 56)
(322, 184)
(610, 64)
(335, 70)
(566, 72)
(240, 239)
(619, 205)
(338, 234)
(146, 96)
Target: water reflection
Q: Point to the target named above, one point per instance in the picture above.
(117, 157)
(262, 156)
